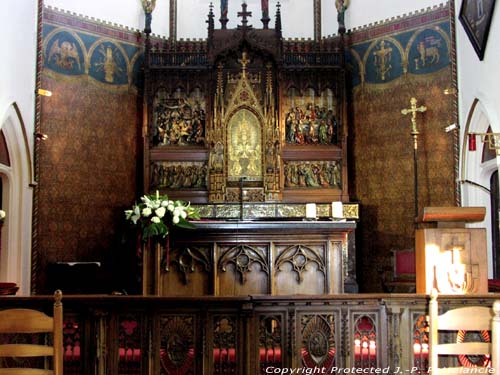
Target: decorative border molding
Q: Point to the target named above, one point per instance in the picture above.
(399, 24)
(59, 17)
(273, 210)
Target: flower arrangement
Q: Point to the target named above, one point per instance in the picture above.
(156, 214)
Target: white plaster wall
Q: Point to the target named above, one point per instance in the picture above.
(478, 80)
(17, 89)
(122, 12)
(18, 57)
(296, 14)
(364, 12)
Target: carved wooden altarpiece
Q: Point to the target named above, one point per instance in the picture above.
(245, 116)
(247, 125)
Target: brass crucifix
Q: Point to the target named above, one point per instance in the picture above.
(413, 110)
(414, 132)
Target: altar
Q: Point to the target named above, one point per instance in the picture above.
(262, 257)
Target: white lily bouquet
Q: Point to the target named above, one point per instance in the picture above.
(156, 214)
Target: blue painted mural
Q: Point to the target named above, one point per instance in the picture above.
(71, 52)
(64, 52)
(382, 60)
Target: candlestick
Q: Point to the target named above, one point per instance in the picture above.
(373, 350)
(357, 350)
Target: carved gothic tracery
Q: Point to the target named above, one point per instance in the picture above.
(300, 256)
(225, 349)
(365, 341)
(189, 259)
(242, 257)
(270, 341)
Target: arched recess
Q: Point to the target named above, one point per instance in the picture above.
(15, 262)
(476, 173)
(244, 132)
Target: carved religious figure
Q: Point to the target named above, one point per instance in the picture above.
(341, 6)
(148, 6)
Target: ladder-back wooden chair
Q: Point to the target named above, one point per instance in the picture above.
(28, 321)
(483, 322)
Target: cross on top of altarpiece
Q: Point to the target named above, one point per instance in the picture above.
(244, 62)
(244, 14)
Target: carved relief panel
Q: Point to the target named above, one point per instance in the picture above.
(319, 340)
(178, 117)
(310, 117)
(177, 344)
(177, 175)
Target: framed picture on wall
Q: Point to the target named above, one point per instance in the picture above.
(475, 16)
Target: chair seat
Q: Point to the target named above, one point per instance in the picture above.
(25, 371)
(8, 289)
(461, 319)
(46, 344)
(494, 285)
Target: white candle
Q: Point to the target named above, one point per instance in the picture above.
(311, 210)
(337, 210)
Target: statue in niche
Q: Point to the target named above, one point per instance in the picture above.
(244, 146)
(217, 158)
